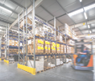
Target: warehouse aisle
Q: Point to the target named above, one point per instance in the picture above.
(61, 73)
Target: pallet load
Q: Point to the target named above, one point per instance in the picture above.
(13, 43)
(39, 46)
(53, 47)
(65, 49)
(47, 47)
(58, 48)
(72, 50)
(39, 64)
(68, 30)
(62, 49)
(23, 23)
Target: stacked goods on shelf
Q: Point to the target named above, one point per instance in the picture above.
(13, 43)
(49, 62)
(53, 47)
(39, 64)
(23, 23)
(58, 61)
(62, 49)
(72, 50)
(58, 46)
(68, 30)
(65, 50)
(59, 38)
(68, 49)
(70, 42)
(3, 49)
(39, 46)
(47, 47)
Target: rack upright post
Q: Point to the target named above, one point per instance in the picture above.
(33, 16)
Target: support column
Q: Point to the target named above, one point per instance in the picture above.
(26, 39)
(23, 38)
(33, 16)
(8, 42)
(18, 39)
(55, 35)
(0, 47)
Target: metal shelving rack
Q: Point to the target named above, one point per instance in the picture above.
(25, 30)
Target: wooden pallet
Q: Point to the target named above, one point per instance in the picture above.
(59, 65)
(40, 71)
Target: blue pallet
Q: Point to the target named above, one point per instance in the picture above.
(14, 47)
(50, 54)
(3, 50)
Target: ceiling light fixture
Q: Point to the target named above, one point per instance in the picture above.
(85, 15)
(90, 31)
(88, 26)
(89, 7)
(75, 12)
(0, 30)
(5, 9)
(80, 0)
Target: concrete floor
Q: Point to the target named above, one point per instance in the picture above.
(61, 73)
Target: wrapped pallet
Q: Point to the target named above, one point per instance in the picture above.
(24, 22)
(58, 48)
(68, 49)
(62, 49)
(39, 46)
(58, 62)
(15, 43)
(47, 47)
(53, 47)
(72, 50)
(11, 42)
(39, 65)
(65, 49)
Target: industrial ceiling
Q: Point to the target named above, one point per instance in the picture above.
(48, 9)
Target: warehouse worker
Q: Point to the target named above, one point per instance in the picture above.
(82, 55)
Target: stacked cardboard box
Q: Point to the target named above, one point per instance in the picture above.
(13, 43)
(24, 22)
(39, 64)
(72, 50)
(47, 47)
(68, 30)
(53, 47)
(58, 46)
(68, 49)
(65, 49)
(62, 49)
(58, 61)
(39, 46)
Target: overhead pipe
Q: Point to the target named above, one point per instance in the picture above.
(82, 24)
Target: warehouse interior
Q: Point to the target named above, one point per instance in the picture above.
(47, 40)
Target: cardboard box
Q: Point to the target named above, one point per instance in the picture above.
(11, 42)
(28, 21)
(53, 47)
(62, 49)
(39, 47)
(58, 46)
(39, 65)
(47, 47)
(15, 43)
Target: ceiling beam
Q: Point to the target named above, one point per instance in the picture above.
(8, 8)
(17, 4)
(86, 29)
(5, 21)
(85, 35)
(50, 14)
(72, 11)
(38, 2)
(66, 13)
